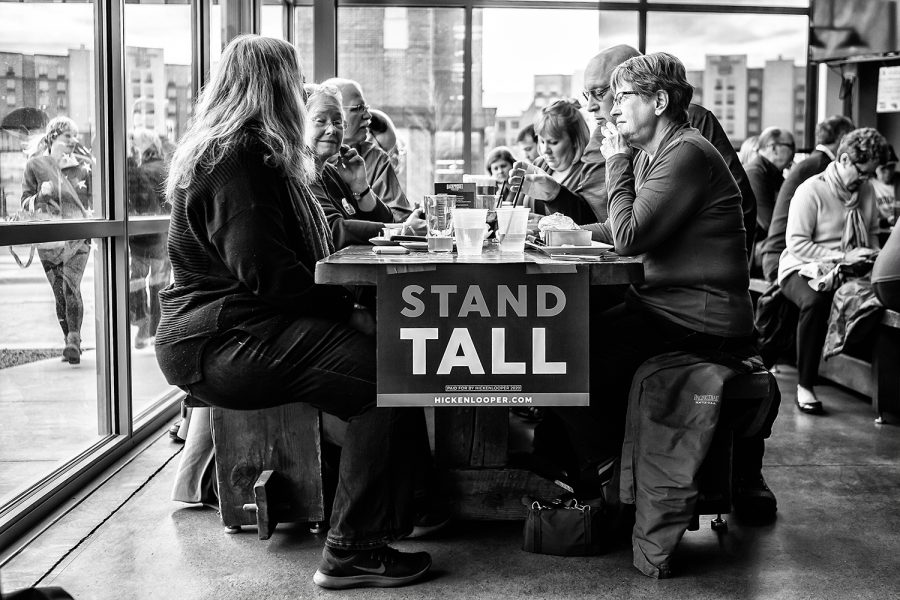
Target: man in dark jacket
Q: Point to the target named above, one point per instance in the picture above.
(765, 170)
(599, 102)
(828, 135)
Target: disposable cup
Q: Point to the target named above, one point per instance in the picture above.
(512, 225)
(392, 229)
(469, 227)
(439, 210)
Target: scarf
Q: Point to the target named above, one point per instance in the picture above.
(312, 219)
(855, 234)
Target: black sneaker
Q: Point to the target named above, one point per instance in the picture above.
(381, 567)
(753, 500)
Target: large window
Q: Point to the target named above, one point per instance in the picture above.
(521, 71)
(409, 63)
(158, 55)
(759, 59)
(54, 361)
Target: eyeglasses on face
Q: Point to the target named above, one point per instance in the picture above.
(785, 144)
(358, 108)
(337, 124)
(618, 98)
(596, 93)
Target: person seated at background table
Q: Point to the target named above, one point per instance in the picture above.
(597, 77)
(828, 135)
(527, 142)
(832, 219)
(672, 199)
(354, 211)
(244, 326)
(380, 173)
(559, 181)
(748, 149)
(765, 170)
(886, 272)
(499, 163)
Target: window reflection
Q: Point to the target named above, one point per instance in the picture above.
(159, 100)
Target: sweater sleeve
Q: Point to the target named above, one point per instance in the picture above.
(801, 227)
(583, 198)
(672, 194)
(253, 244)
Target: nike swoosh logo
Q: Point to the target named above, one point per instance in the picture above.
(378, 571)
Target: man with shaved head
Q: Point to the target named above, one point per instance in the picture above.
(381, 175)
(599, 102)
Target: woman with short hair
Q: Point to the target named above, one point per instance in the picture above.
(673, 200)
(559, 181)
(244, 325)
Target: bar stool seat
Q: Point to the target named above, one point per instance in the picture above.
(268, 466)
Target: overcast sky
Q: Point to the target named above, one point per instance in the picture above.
(517, 43)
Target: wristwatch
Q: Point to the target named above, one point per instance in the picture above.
(362, 193)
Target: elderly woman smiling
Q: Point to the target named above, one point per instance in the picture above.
(353, 211)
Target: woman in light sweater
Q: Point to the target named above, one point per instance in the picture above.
(833, 218)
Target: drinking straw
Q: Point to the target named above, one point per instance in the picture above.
(502, 196)
(518, 191)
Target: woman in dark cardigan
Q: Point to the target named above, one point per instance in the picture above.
(244, 326)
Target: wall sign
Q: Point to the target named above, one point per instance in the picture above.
(487, 336)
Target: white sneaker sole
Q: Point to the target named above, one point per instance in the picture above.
(355, 581)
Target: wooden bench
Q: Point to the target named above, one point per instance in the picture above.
(879, 379)
(269, 467)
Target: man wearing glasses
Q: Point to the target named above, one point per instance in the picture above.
(766, 173)
(600, 103)
(381, 175)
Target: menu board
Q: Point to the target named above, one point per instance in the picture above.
(464, 192)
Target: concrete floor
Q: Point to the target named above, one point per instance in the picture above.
(837, 478)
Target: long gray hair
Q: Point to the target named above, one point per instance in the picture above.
(258, 81)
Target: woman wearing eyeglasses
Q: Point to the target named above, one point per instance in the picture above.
(354, 211)
(673, 200)
(559, 180)
(833, 218)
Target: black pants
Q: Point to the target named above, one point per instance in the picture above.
(811, 327)
(331, 367)
(622, 338)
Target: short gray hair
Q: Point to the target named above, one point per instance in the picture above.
(656, 72)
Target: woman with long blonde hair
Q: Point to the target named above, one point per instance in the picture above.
(244, 326)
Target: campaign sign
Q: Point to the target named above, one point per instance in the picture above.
(483, 335)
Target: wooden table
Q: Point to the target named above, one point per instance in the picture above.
(470, 446)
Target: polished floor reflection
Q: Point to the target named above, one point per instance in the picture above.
(837, 535)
